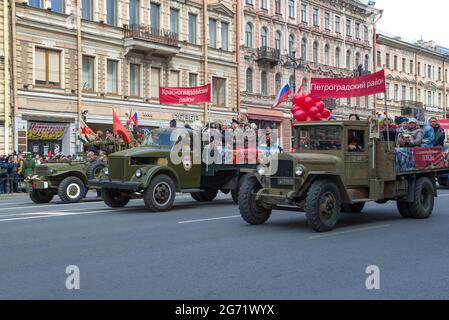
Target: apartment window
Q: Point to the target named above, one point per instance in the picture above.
(212, 33)
(225, 36)
(193, 80)
(348, 27)
(404, 93)
(249, 35)
(337, 24)
(134, 9)
(337, 57)
(174, 78)
(379, 59)
(315, 17)
(357, 31)
(112, 77)
(192, 28)
(174, 20)
(387, 91)
(58, 6)
(412, 94)
(429, 71)
(357, 59)
(264, 37)
(154, 15)
(303, 13)
(291, 8)
(134, 80)
(249, 80)
(396, 92)
(419, 95)
(404, 65)
(88, 73)
(304, 49)
(429, 98)
(34, 3)
(348, 60)
(277, 82)
(291, 44)
(155, 82)
(87, 10)
(326, 54)
(327, 20)
(264, 83)
(439, 73)
(419, 68)
(395, 62)
(264, 4)
(440, 100)
(219, 91)
(411, 67)
(387, 60)
(111, 12)
(47, 67)
(277, 7)
(277, 40)
(366, 64)
(250, 2)
(365, 33)
(315, 52)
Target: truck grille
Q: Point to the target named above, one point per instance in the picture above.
(41, 170)
(285, 169)
(117, 168)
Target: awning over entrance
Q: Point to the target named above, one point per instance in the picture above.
(265, 114)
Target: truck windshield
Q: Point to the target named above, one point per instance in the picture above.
(157, 138)
(319, 138)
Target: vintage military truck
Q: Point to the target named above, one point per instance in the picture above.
(337, 167)
(68, 180)
(148, 172)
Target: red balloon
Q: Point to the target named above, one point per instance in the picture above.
(320, 105)
(301, 115)
(313, 111)
(294, 109)
(326, 114)
(296, 99)
(318, 117)
(309, 119)
(308, 102)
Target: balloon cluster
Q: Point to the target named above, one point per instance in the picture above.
(307, 108)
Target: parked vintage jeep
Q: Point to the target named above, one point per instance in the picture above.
(68, 180)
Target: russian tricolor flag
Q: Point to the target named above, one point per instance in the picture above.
(282, 96)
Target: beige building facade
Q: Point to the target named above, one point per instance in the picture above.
(5, 120)
(115, 54)
(416, 75)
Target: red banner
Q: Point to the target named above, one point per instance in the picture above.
(428, 158)
(326, 88)
(174, 95)
(444, 124)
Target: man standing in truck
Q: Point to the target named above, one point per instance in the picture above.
(440, 136)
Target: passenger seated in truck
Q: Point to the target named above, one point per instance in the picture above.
(412, 137)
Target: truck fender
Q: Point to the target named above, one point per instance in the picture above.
(156, 170)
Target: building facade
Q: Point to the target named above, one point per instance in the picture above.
(5, 120)
(416, 75)
(78, 59)
(325, 38)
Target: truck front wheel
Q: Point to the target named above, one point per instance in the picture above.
(323, 205)
(251, 211)
(71, 190)
(114, 198)
(422, 207)
(160, 194)
(41, 196)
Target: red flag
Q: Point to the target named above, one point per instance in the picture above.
(50, 154)
(119, 128)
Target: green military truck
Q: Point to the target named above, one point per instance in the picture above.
(338, 167)
(148, 172)
(68, 180)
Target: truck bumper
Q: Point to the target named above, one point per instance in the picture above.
(275, 196)
(106, 184)
(37, 185)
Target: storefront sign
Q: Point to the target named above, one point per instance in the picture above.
(46, 131)
(348, 87)
(194, 95)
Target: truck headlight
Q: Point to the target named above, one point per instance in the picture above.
(261, 170)
(106, 171)
(139, 173)
(52, 171)
(300, 170)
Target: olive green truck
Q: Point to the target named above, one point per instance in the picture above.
(338, 167)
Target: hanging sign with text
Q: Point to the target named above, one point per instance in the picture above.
(188, 95)
(348, 87)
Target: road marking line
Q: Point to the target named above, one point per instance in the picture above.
(349, 231)
(43, 215)
(209, 219)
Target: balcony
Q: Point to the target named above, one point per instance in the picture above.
(151, 40)
(268, 55)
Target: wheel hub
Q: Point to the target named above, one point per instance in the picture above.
(327, 205)
(73, 190)
(162, 193)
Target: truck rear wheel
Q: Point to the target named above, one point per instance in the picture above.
(71, 190)
(114, 198)
(41, 196)
(323, 205)
(353, 208)
(403, 209)
(422, 207)
(160, 194)
(251, 211)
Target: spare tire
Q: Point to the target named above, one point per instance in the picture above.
(94, 169)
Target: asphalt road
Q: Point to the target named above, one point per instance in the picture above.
(206, 251)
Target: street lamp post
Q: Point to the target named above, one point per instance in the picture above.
(295, 63)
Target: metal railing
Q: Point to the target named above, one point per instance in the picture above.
(12, 184)
(148, 33)
(267, 53)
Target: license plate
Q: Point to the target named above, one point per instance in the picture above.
(286, 181)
